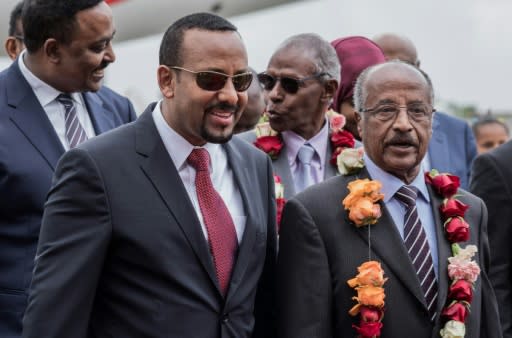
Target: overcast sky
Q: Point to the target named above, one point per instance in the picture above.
(465, 45)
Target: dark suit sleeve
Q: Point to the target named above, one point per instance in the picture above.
(74, 238)
(265, 309)
(489, 183)
(303, 279)
(132, 116)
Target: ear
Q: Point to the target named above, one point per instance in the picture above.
(330, 87)
(52, 51)
(166, 81)
(10, 47)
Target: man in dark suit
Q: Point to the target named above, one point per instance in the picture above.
(492, 181)
(320, 249)
(14, 43)
(300, 82)
(164, 227)
(33, 128)
(452, 147)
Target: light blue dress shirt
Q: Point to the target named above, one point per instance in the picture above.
(390, 185)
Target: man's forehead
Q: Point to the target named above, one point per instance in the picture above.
(293, 59)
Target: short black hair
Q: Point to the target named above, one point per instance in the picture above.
(488, 119)
(44, 19)
(170, 48)
(15, 16)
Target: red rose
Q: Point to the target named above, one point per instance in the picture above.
(272, 145)
(368, 330)
(457, 230)
(456, 311)
(453, 208)
(461, 290)
(342, 138)
(370, 314)
(280, 205)
(444, 184)
(334, 156)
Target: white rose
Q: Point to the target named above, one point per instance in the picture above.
(453, 329)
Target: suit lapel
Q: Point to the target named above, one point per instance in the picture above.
(438, 147)
(282, 169)
(160, 170)
(330, 170)
(242, 179)
(30, 118)
(101, 117)
(388, 245)
(443, 249)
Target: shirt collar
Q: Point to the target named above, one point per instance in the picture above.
(294, 141)
(43, 91)
(391, 184)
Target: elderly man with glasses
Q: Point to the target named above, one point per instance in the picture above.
(300, 81)
(419, 274)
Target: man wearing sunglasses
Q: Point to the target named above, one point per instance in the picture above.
(300, 81)
(164, 227)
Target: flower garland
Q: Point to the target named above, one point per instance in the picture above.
(280, 201)
(462, 270)
(363, 209)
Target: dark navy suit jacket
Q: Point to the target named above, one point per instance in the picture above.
(29, 150)
(452, 147)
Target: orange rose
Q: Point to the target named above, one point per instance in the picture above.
(370, 296)
(364, 212)
(370, 273)
(363, 188)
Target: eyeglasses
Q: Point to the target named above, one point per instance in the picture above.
(18, 37)
(289, 84)
(418, 112)
(213, 81)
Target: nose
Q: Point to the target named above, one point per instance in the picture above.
(228, 93)
(276, 93)
(402, 121)
(109, 55)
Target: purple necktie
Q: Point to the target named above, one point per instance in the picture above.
(415, 240)
(217, 219)
(75, 133)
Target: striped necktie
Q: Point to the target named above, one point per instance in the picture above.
(415, 240)
(75, 133)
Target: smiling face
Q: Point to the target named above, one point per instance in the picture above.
(197, 114)
(302, 112)
(81, 63)
(397, 146)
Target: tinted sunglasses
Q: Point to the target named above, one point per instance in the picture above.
(213, 81)
(289, 84)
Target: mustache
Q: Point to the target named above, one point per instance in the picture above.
(224, 106)
(103, 64)
(401, 139)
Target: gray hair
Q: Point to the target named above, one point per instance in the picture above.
(360, 93)
(323, 54)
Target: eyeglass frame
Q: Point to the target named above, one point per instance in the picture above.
(18, 37)
(373, 111)
(218, 73)
(299, 81)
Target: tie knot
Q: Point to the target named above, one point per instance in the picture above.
(199, 159)
(407, 194)
(65, 99)
(306, 153)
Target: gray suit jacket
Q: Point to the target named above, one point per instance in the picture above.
(122, 253)
(319, 251)
(282, 168)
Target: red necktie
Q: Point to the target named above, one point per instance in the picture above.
(219, 224)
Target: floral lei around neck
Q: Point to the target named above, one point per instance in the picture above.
(364, 210)
(342, 142)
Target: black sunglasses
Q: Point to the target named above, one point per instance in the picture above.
(213, 81)
(289, 84)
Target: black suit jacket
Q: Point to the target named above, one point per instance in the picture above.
(122, 253)
(29, 151)
(320, 251)
(492, 181)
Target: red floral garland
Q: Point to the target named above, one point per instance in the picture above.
(462, 270)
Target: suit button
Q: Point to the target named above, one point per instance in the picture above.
(225, 318)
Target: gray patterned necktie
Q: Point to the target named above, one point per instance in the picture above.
(75, 133)
(304, 177)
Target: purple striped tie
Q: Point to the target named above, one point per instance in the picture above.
(75, 133)
(415, 241)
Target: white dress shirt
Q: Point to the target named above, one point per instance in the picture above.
(220, 173)
(47, 95)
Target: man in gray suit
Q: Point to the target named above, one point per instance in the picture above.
(300, 81)
(164, 227)
(320, 249)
